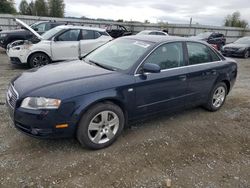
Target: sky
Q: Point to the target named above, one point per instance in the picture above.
(175, 11)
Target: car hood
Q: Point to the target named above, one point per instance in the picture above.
(13, 31)
(61, 77)
(235, 45)
(29, 28)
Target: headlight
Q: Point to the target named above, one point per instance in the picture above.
(241, 49)
(3, 35)
(36, 103)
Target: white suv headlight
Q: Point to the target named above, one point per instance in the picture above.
(36, 103)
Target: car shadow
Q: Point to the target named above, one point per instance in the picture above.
(20, 66)
(73, 145)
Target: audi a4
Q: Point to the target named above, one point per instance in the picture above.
(127, 79)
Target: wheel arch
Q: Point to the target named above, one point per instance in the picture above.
(113, 100)
(227, 82)
(34, 52)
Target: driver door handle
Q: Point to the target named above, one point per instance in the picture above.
(183, 77)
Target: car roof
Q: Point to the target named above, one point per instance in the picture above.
(159, 38)
(81, 27)
(147, 31)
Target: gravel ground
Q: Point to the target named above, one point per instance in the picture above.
(193, 148)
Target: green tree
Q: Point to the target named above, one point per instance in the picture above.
(31, 8)
(7, 7)
(24, 7)
(41, 8)
(56, 8)
(234, 20)
(120, 20)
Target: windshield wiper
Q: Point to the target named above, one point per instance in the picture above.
(101, 65)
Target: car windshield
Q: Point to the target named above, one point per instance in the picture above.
(120, 54)
(244, 40)
(50, 33)
(204, 35)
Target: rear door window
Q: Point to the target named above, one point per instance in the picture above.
(159, 33)
(88, 35)
(199, 53)
(70, 35)
(97, 34)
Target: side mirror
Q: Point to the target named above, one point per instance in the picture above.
(54, 39)
(35, 29)
(151, 68)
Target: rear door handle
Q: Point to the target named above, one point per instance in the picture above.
(183, 77)
(207, 73)
(214, 72)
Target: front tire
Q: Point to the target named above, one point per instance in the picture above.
(246, 54)
(100, 126)
(38, 59)
(217, 97)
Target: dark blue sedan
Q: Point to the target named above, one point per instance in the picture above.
(126, 79)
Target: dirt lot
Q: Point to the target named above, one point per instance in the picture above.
(194, 148)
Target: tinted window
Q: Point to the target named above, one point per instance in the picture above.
(216, 35)
(87, 34)
(159, 33)
(104, 33)
(70, 35)
(200, 53)
(97, 34)
(40, 27)
(55, 24)
(214, 56)
(167, 56)
(152, 33)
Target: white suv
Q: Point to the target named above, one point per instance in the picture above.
(61, 43)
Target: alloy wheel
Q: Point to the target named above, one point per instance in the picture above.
(219, 96)
(103, 127)
(40, 60)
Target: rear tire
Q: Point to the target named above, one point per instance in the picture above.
(38, 59)
(100, 126)
(217, 97)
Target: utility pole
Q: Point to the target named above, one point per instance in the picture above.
(190, 25)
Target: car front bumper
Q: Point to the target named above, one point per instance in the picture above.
(15, 60)
(233, 53)
(41, 123)
(2, 43)
(17, 56)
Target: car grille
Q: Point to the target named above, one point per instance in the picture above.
(12, 97)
